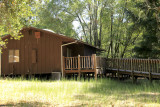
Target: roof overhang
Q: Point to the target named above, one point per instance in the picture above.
(81, 42)
(66, 38)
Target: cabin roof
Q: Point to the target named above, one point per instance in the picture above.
(66, 38)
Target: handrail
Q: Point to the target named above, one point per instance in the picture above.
(86, 62)
(132, 64)
(142, 65)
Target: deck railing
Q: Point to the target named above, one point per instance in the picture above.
(142, 65)
(102, 65)
(71, 62)
(101, 62)
(85, 62)
(82, 62)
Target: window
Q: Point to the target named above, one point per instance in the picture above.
(13, 56)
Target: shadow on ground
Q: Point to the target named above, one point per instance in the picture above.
(40, 104)
(24, 104)
(142, 91)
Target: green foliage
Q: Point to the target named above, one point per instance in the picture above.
(125, 28)
(147, 22)
(52, 15)
(15, 14)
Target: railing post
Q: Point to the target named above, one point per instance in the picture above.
(95, 65)
(150, 75)
(79, 67)
(132, 71)
(63, 75)
(125, 65)
(118, 68)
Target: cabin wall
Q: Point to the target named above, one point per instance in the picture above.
(48, 54)
(77, 49)
(88, 51)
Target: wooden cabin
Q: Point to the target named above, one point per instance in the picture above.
(40, 52)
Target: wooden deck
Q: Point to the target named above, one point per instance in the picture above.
(149, 68)
(79, 64)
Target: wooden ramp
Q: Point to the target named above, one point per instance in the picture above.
(149, 68)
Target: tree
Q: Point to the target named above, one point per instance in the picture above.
(147, 21)
(52, 15)
(15, 14)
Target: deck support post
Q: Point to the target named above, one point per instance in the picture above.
(150, 77)
(135, 79)
(79, 67)
(95, 65)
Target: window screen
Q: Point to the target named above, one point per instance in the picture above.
(13, 56)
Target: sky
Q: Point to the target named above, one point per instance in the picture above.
(76, 25)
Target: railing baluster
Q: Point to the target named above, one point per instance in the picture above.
(64, 63)
(84, 62)
(67, 63)
(157, 65)
(143, 65)
(81, 62)
(88, 62)
(73, 62)
(124, 64)
(140, 65)
(77, 62)
(137, 66)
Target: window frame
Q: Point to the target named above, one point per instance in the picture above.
(14, 54)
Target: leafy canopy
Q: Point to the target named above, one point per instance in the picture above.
(14, 15)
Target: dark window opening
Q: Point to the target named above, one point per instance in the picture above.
(69, 52)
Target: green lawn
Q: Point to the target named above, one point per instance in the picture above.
(103, 92)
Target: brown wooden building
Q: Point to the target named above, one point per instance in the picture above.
(40, 52)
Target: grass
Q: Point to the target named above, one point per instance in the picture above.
(103, 92)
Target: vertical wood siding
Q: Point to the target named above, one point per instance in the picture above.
(48, 52)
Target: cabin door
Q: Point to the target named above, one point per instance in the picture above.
(33, 61)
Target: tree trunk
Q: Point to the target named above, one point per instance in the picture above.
(111, 36)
